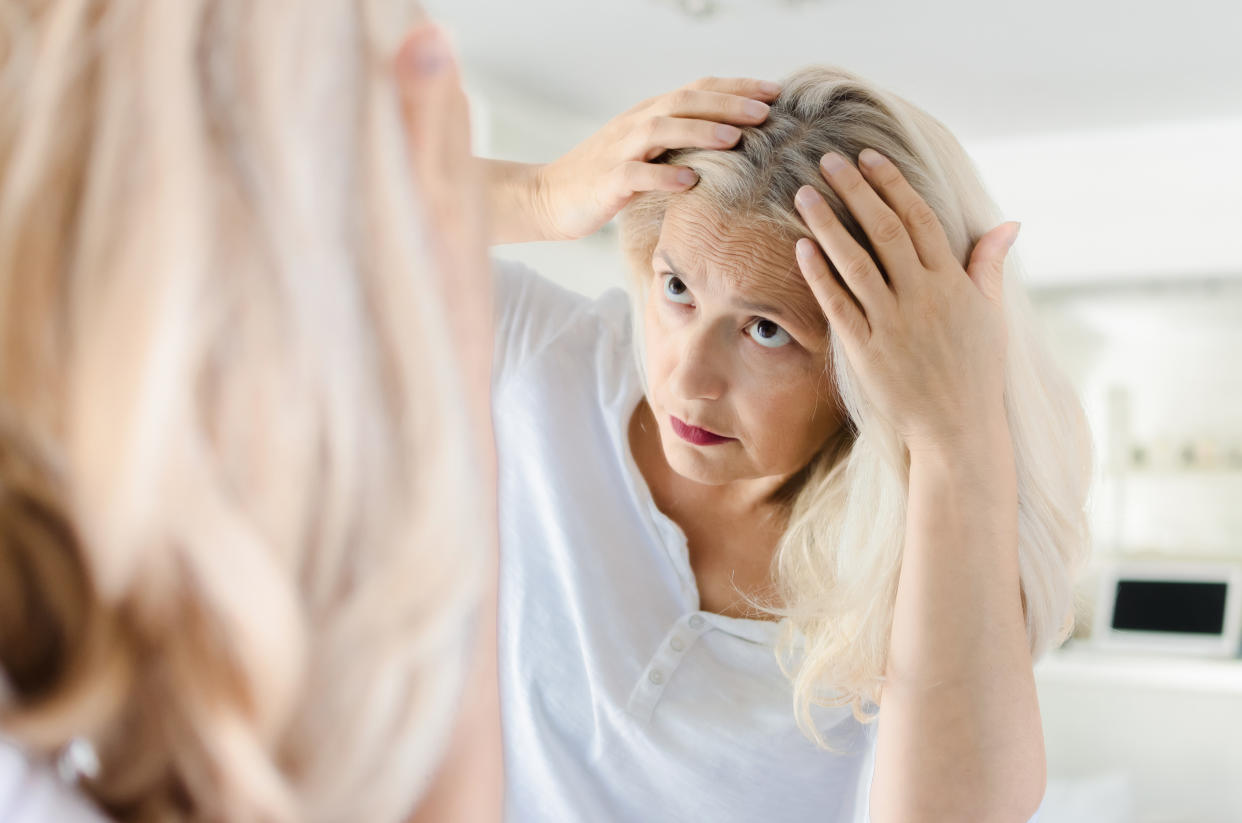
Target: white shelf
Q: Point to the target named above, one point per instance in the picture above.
(1079, 663)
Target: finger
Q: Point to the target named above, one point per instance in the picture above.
(436, 116)
(987, 259)
(839, 306)
(857, 269)
(931, 243)
(432, 105)
(453, 136)
(661, 133)
(743, 86)
(712, 105)
(883, 228)
(632, 177)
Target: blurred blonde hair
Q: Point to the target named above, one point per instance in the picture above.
(238, 544)
(837, 565)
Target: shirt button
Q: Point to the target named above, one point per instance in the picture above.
(677, 643)
(697, 622)
(656, 676)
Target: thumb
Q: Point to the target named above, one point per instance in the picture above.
(987, 259)
(433, 107)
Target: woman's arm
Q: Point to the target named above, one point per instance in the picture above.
(469, 785)
(960, 737)
(577, 194)
(512, 190)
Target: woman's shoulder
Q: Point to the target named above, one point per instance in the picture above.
(535, 315)
(32, 792)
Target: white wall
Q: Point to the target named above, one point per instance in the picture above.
(1157, 201)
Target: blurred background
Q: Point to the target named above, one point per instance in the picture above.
(1113, 131)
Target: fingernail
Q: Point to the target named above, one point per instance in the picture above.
(832, 162)
(727, 134)
(803, 248)
(768, 87)
(1013, 235)
(870, 158)
(755, 108)
(805, 196)
(429, 53)
(686, 177)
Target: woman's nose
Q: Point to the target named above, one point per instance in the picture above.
(699, 372)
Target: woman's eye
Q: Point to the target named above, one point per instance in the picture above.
(766, 333)
(675, 289)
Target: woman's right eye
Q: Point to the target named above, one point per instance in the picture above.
(675, 290)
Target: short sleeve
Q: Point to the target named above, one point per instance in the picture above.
(530, 312)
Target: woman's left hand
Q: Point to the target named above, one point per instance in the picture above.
(928, 345)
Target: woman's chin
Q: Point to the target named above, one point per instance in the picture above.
(691, 463)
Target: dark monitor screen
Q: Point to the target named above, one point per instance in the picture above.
(1181, 606)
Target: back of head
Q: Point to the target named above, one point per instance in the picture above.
(237, 549)
(837, 565)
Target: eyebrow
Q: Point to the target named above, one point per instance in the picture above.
(783, 312)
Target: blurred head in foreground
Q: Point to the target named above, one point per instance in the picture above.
(242, 532)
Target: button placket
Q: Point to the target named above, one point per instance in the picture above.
(669, 655)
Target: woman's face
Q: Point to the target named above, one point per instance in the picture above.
(736, 344)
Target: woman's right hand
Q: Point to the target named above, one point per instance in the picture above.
(577, 194)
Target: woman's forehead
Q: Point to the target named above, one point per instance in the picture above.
(752, 262)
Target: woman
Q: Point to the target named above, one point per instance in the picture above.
(782, 534)
(246, 530)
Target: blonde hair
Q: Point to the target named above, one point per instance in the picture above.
(837, 564)
(239, 548)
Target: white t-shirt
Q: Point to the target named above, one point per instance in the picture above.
(620, 699)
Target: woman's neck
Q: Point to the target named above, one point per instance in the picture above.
(730, 545)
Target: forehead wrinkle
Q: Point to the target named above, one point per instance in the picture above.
(787, 291)
(743, 256)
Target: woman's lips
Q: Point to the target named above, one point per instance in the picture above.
(695, 435)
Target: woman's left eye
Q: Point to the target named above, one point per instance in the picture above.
(768, 334)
